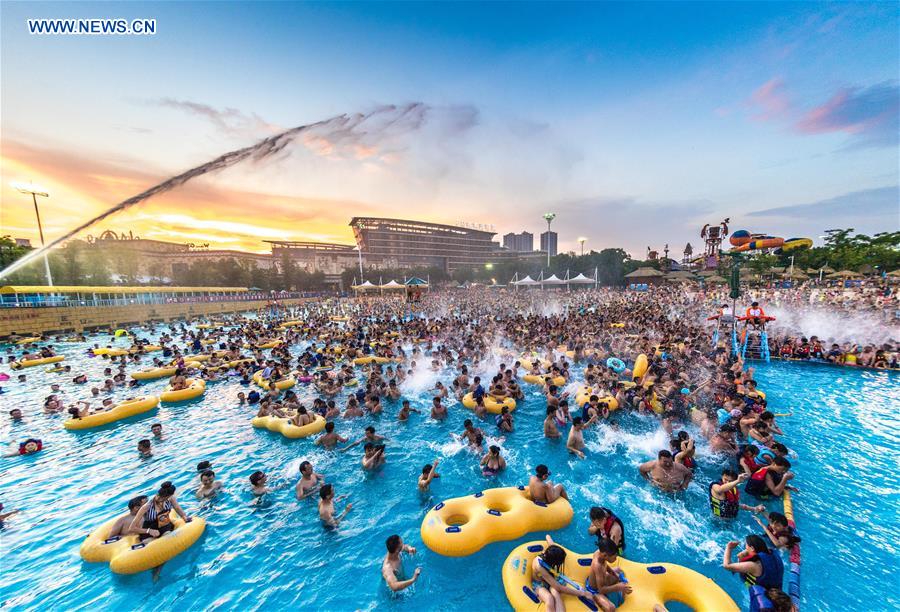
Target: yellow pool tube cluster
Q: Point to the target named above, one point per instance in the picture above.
(652, 584)
(127, 555)
(123, 410)
(464, 525)
(288, 429)
(491, 404)
(196, 387)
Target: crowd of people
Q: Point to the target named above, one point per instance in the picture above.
(489, 344)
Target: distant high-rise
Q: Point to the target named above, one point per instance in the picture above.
(522, 243)
(548, 243)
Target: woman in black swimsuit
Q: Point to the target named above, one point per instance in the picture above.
(153, 518)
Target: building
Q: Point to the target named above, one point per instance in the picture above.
(410, 244)
(548, 242)
(326, 257)
(521, 243)
(23, 242)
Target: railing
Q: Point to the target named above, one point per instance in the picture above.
(61, 301)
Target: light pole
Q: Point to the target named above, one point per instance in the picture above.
(582, 240)
(549, 217)
(28, 188)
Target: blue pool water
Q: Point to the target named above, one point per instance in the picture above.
(843, 426)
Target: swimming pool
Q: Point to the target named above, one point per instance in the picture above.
(278, 554)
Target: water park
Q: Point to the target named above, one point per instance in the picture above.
(444, 306)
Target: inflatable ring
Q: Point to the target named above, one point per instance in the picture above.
(196, 387)
(491, 404)
(29, 340)
(30, 363)
(584, 396)
(288, 429)
(340, 319)
(285, 383)
(304, 379)
(615, 364)
(653, 584)
(541, 379)
(544, 363)
(287, 324)
(120, 332)
(147, 348)
(200, 358)
(618, 325)
(367, 360)
(127, 555)
(204, 326)
(152, 373)
(352, 382)
(110, 352)
(123, 410)
(464, 525)
(640, 366)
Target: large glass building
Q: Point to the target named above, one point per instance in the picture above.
(419, 243)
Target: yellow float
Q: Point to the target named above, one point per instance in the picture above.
(541, 379)
(285, 383)
(583, 396)
(123, 410)
(127, 555)
(147, 348)
(30, 363)
(464, 525)
(110, 352)
(367, 360)
(29, 340)
(640, 367)
(152, 373)
(120, 332)
(491, 404)
(529, 361)
(340, 319)
(266, 345)
(652, 584)
(196, 387)
(288, 429)
(204, 325)
(199, 358)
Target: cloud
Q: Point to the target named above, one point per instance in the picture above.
(230, 120)
(771, 100)
(868, 114)
(878, 202)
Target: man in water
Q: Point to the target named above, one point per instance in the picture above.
(326, 507)
(542, 490)
(329, 439)
(665, 473)
(429, 473)
(373, 456)
(392, 566)
(607, 583)
(575, 443)
(309, 481)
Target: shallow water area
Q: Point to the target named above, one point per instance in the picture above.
(843, 427)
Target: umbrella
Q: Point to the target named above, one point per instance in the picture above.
(644, 273)
(715, 278)
(845, 274)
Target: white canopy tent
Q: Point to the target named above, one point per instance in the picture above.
(526, 282)
(366, 286)
(581, 279)
(553, 279)
(392, 285)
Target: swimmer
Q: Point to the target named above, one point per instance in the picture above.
(438, 410)
(493, 462)
(605, 524)
(542, 490)
(309, 482)
(551, 430)
(608, 585)
(209, 486)
(504, 420)
(392, 565)
(156, 430)
(373, 456)
(664, 473)
(780, 533)
(326, 507)
(144, 448)
(329, 439)
(6, 515)
(575, 441)
(546, 571)
(429, 473)
(724, 497)
(470, 433)
(370, 436)
(405, 409)
(124, 525)
(15, 415)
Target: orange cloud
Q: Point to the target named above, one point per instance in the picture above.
(201, 211)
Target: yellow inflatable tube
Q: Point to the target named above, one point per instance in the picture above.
(196, 387)
(640, 366)
(525, 360)
(126, 555)
(491, 404)
(30, 363)
(151, 373)
(128, 408)
(265, 345)
(110, 352)
(29, 340)
(285, 383)
(367, 360)
(464, 525)
(288, 429)
(148, 348)
(653, 584)
(584, 396)
(541, 379)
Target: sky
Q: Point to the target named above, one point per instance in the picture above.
(635, 123)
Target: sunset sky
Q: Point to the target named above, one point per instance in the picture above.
(635, 123)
